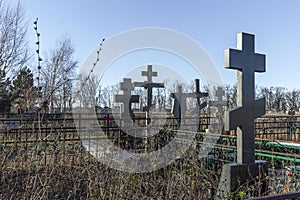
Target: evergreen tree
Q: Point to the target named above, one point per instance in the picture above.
(23, 93)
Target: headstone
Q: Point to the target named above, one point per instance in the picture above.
(178, 104)
(127, 99)
(5, 105)
(247, 170)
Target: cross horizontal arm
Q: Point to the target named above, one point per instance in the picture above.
(148, 85)
(237, 59)
(197, 95)
(121, 99)
(233, 59)
(149, 73)
(238, 117)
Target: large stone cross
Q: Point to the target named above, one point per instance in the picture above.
(149, 85)
(247, 62)
(127, 99)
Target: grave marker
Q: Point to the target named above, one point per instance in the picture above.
(247, 170)
(247, 62)
(148, 85)
(127, 99)
(179, 104)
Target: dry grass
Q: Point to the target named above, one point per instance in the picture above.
(58, 169)
(71, 174)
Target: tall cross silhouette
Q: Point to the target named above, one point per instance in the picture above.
(127, 99)
(149, 85)
(247, 62)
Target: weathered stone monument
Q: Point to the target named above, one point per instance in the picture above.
(179, 104)
(219, 103)
(247, 170)
(5, 105)
(127, 99)
(216, 109)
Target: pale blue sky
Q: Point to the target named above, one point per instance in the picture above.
(213, 24)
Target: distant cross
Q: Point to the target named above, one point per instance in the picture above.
(149, 85)
(179, 102)
(127, 99)
(198, 95)
(247, 62)
(149, 73)
(219, 103)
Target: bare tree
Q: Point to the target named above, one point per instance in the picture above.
(269, 96)
(279, 99)
(58, 74)
(87, 90)
(106, 94)
(142, 94)
(293, 99)
(231, 96)
(13, 44)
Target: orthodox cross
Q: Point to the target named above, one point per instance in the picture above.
(247, 62)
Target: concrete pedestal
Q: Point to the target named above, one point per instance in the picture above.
(240, 177)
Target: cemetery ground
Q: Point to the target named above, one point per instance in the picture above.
(46, 160)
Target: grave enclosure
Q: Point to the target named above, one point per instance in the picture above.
(253, 137)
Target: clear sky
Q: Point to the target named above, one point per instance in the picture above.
(211, 23)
